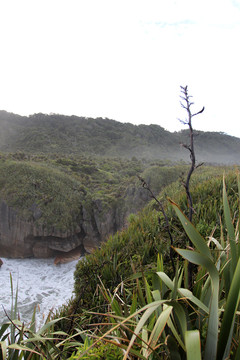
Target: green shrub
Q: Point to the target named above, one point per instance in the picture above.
(26, 186)
(169, 320)
(136, 246)
(101, 351)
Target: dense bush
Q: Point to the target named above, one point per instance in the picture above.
(113, 265)
(26, 186)
(137, 246)
(130, 255)
(170, 319)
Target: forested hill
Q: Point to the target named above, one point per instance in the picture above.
(41, 133)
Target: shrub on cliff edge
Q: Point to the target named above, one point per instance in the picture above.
(138, 245)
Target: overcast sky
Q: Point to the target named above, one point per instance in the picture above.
(122, 59)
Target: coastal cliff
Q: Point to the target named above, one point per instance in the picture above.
(45, 212)
(27, 238)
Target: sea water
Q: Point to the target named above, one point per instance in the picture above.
(40, 284)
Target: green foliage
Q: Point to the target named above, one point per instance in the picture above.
(170, 321)
(112, 262)
(26, 343)
(49, 134)
(38, 193)
(159, 177)
(53, 190)
(60, 165)
(101, 351)
(145, 236)
(130, 257)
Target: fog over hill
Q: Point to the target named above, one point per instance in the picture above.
(54, 133)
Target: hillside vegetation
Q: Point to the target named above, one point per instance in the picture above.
(137, 246)
(60, 184)
(128, 286)
(70, 181)
(120, 278)
(58, 203)
(41, 133)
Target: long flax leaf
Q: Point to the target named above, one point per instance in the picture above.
(144, 342)
(47, 326)
(198, 286)
(149, 309)
(212, 332)
(3, 345)
(230, 312)
(238, 177)
(23, 348)
(193, 345)
(189, 295)
(180, 317)
(176, 334)
(230, 229)
(3, 330)
(192, 232)
(159, 327)
(166, 279)
(175, 282)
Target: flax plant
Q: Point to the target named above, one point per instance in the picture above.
(20, 341)
(166, 320)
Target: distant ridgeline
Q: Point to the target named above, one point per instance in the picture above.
(41, 133)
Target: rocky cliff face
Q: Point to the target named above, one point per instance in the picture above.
(22, 238)
(26, 238)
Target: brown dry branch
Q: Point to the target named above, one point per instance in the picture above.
(190, 147)
(186, 104)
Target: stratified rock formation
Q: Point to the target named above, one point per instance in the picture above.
(21, 238)
(26, 238)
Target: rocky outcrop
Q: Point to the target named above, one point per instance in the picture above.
(74, 254)
(26, 238)
(22, 238)
(29, 238)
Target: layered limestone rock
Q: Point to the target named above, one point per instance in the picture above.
(22, 238)
(30, 238)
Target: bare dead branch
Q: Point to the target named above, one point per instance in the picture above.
(186, 146)
(200, 164)
(184, 122)
(183, 106)
(199, 112)
(186, 97)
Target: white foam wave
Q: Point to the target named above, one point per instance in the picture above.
(40, 283)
